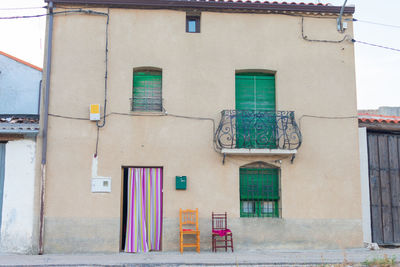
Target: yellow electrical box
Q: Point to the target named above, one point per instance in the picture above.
(94, 112)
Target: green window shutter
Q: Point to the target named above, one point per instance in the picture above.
(259, 189)
(245, 97)
(265, 92)
(255, 91)
(260, 184)
(147, 91)
(255, 94)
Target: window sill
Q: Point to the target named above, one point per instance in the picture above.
(263, 218)
(148, 113)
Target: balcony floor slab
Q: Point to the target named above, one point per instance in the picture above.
(257, 151)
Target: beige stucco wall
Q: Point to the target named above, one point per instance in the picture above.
(320, 191)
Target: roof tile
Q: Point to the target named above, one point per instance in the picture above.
(366, 117)
(243, 5)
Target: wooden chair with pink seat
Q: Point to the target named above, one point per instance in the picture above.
(221, 235)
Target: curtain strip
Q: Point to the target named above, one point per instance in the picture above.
(143, 228)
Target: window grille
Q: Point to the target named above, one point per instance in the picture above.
(147, 95)
(259, 192)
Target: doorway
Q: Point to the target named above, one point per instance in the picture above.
(384, 182)
(142, 208)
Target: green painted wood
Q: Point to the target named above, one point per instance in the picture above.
(147, 91)
(2, 173)
(245, 92)
(260, 187)
(255, 92)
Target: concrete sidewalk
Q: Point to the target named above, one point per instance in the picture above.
(243, 258)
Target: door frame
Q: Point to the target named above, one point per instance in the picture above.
(123, 167)
(380, 178)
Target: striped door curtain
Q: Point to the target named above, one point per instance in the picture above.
(144, 210)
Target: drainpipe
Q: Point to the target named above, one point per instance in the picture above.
(40, 96)
(339, 19)
(45, 126)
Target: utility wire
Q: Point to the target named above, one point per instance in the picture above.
(375, 45)
(90, 12)
(22, 8)
(376, 23)
(25, 17)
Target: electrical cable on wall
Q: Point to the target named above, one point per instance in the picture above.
(105, 74)
(69, 117)
(141, 115)
(305, 37)
(321, 41)
(90, 12)
(325, 117)
(97, 141)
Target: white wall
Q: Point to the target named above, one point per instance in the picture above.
(365, 202)
(18, 201)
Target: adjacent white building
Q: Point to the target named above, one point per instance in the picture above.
(19, 125)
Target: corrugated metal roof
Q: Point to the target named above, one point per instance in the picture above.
(11, 128)
(19, 125)
(365, 117)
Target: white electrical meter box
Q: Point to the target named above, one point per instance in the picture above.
(94, 112)
(101, 185)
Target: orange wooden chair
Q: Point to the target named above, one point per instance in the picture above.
(189, 225)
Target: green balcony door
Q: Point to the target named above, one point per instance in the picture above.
(255, 106)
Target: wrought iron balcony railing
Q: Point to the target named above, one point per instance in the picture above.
(258, 130)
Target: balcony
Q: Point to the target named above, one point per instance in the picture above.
(258, 133)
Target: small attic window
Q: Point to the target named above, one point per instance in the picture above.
(193, 23)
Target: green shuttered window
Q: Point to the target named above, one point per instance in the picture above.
(255, 106)
(146, 93)
(259, 192)
(255, 91)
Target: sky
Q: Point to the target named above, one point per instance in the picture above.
(377, 69)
